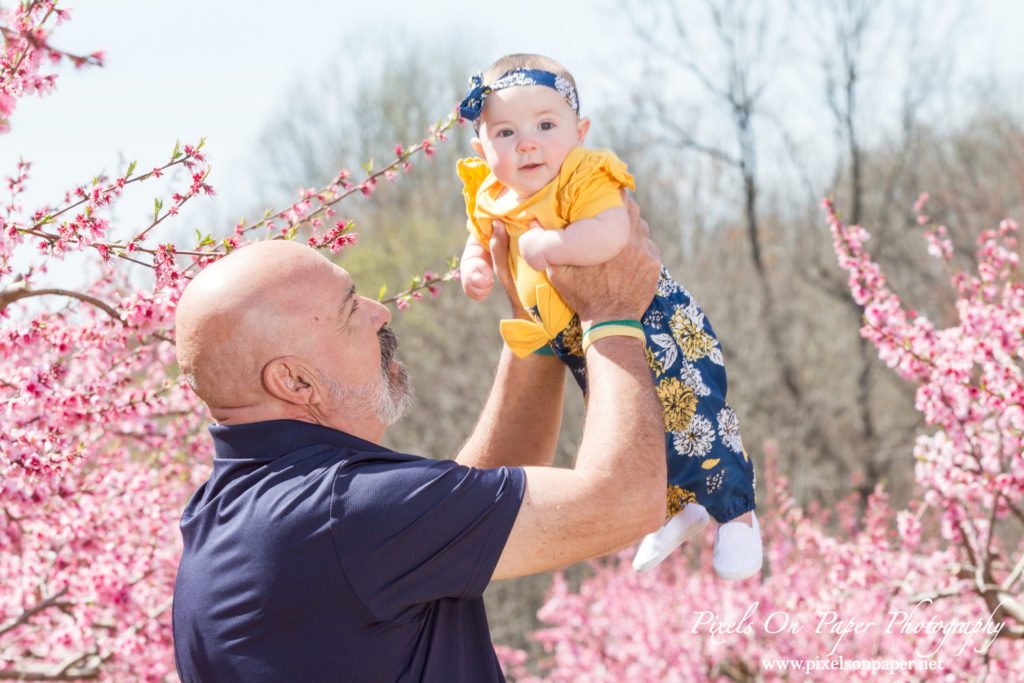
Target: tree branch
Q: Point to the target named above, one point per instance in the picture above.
(52, 601)
(1014, 575)
(62, 672)
(12, 294)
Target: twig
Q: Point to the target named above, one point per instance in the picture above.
(1014, 575)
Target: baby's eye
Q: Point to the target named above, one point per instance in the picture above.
(505, 133)
(547, 125)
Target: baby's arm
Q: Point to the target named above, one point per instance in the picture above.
(475, 270)
(586, 242)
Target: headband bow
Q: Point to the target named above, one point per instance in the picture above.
(473, 103)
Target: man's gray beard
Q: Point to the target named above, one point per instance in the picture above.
(393, 392)
(393, 395)
(388, 397)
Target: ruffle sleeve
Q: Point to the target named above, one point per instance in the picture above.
(473, 172)
(593, 184)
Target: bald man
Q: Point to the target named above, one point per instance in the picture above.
(315, 554)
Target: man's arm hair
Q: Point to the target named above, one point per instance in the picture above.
(522, 415)
(616, 492)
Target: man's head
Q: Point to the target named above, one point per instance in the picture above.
(274, 330)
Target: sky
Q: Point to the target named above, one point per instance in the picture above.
(220, 69)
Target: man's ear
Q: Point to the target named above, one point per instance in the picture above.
(478, 147)
(582, 128)
(286, 379)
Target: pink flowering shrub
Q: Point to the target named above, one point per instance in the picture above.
(928, 592)
(102, 442)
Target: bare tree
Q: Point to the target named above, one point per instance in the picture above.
(855, 41)
(742, 42)
(848, 23)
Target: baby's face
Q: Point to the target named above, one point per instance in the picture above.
(525, 134)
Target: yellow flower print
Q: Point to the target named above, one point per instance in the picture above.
(678, 498)
(653, 362)
(691, 337)
(678, 404)
(572, 337)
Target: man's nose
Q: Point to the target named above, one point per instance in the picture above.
(381, 313)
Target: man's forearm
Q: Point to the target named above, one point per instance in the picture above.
(616, 492)
(624, 436)
(522, 415)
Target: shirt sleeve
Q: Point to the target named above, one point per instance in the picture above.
(473, 172)
(410, 533)
(594, 184)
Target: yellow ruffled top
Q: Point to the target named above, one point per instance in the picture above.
(588, 183)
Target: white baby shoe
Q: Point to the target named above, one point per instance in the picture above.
(657, 545)
(738, 552)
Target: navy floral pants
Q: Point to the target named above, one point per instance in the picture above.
(706, 459)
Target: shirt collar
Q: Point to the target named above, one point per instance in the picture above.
(273, 438)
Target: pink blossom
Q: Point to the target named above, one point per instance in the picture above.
(7, 103)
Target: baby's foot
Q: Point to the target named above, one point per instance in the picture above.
(656, 546)
(738, 551)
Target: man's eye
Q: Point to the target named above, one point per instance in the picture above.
(355, 303)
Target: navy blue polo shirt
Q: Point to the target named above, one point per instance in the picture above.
(312, 555)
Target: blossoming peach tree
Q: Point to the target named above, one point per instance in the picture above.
(100, 442)
(932, 591)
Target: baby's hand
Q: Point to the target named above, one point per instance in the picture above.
(533, 247)
(477, 278)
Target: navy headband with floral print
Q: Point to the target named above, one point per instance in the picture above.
(470, 107)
